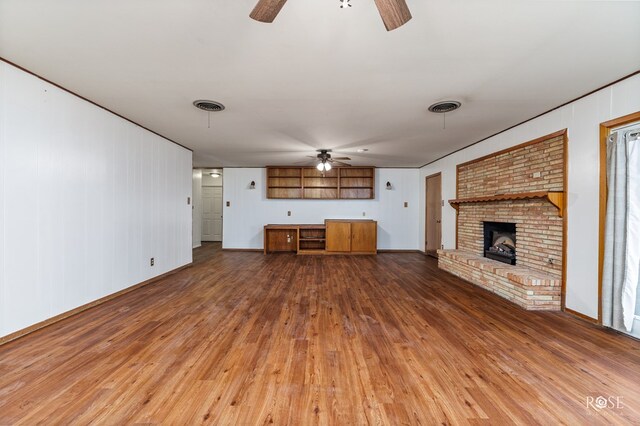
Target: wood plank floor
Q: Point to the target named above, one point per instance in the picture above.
(242, 338)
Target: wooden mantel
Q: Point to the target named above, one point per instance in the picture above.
(554, 197)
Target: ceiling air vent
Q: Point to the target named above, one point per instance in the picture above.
(444, 107)
(209, 106)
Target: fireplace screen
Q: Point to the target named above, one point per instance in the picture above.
(500, 241)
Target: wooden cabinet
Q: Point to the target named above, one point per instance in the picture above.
(352, 236)
(309, 183)
(334, 237)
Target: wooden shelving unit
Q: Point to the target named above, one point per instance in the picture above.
(309, 183)
(312, 239)
(284, 182)
(357, 183)
(554, 197)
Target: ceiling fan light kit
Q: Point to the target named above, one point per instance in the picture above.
(324, 166)
(394, 13)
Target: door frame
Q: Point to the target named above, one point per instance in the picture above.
(605, 131)
(210, 170)
(426, 206)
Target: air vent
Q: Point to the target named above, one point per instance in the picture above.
(444, 106)
(209, 106)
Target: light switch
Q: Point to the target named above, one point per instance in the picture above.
(289, 213)
(406, 204)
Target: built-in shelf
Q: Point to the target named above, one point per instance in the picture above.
(554, 197)
(309, 183)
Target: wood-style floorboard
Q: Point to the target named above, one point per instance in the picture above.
(242, 338)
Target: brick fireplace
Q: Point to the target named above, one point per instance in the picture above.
(518, 195)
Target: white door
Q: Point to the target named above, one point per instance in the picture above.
(212, 213)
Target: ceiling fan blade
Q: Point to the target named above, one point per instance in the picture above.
(267, 10)
(394, 13)
(341, 158)
(339, 163)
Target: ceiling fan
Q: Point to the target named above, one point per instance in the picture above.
(394, 13)
(325, 161)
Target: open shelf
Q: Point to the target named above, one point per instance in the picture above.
(309, 183)
(312, 238)
(554, 197)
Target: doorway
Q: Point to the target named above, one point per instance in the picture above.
(619, 289)
(619, 295)
(433, 215)
(212, 205)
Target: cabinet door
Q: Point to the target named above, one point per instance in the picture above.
(363, 237)
(281, 240)
(339, 236)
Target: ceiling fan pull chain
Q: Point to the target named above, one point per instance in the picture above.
(209, 120)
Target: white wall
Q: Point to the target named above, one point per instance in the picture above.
(250, 210)
(86, 199)
(582, 119)
(196, 190)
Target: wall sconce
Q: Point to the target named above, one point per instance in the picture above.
(252, 185)
(389, 186)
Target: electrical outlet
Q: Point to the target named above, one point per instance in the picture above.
(188, 200)
(289, 213)
(228, 203)
(152, 261)
(536, 175)
(364, 214)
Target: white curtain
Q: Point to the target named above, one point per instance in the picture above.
(622, 230)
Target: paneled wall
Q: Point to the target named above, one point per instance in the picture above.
(250, 210)
(86, 199)
(582, 119)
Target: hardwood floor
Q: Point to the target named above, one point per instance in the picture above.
(242, 338)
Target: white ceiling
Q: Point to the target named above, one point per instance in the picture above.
(321, 76)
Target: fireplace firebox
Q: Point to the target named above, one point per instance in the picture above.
(500, 241)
